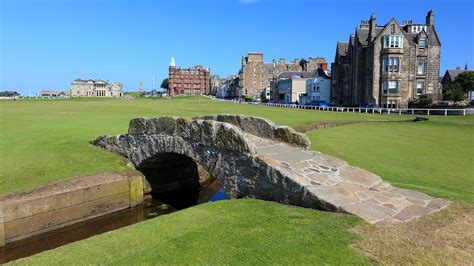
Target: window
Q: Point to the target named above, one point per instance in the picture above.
(420, 86)
(417, 28)
(393, 41)
(391, 64)
(422, 43)
(390, 86)
(421, 67)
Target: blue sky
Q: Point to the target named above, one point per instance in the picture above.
(48, 43)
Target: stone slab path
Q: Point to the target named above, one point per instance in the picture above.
(348, 188)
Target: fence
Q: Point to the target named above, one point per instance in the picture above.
(389, 111)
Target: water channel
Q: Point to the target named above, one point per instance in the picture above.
(151, 208)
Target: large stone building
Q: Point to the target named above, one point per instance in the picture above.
(189, 81)
(95, 88)
(387, 65)
(255, 74)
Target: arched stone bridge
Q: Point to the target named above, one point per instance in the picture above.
(252, 157)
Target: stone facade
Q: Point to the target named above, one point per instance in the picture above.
(95, 88)
(256, 75)
(389, 65)
(189, 81)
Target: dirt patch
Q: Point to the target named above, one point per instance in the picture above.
(316, 126)
(445, 237)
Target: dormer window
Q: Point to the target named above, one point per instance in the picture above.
(417, 28)
(393, 41)
(422, 43)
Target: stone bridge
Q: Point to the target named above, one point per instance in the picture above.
(252, 157)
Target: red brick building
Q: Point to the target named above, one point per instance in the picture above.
(189, 81)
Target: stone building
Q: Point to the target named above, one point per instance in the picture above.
(95, 88)
(189, 81)
(256, 75)
(216, 82)
(387, 65)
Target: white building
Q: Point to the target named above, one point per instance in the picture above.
(95, 88)
(290, 85)
(318, 89)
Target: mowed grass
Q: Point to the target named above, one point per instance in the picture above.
(435, 157)
(235, 232)
(44, 141)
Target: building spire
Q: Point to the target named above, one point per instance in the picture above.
(465, 67)
(172, 63)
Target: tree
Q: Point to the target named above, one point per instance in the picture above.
(466, 81)
(457, 91)
(165, 84)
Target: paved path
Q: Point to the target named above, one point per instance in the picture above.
(349, 188)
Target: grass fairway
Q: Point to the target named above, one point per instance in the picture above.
(435, 157)
(236, 232)
(43, 141)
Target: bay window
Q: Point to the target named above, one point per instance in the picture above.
(390, 86)
(393, 41)
(391, 64)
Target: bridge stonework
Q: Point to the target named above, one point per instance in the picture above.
(252, 157)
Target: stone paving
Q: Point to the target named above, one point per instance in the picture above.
(348, 188)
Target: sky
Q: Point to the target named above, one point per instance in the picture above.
(45, 44)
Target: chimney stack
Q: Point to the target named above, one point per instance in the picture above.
(430, 18)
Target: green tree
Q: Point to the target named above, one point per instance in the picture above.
(466, 81)
(455, 92)
(165, 84)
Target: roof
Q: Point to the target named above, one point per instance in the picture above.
(320, 73)
(342, 48)
(269, 66)
(454, 73)
(289, 74)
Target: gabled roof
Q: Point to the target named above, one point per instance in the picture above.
(320, 73)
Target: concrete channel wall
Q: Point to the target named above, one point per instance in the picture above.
(27, 214)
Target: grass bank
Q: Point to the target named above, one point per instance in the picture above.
(44, 141)
(435, 157)
(235, 232)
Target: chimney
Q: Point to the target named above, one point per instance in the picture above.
(430, 18)
(372, 26)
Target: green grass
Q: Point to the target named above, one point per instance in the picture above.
(44, 141)
(435, 157)
(236, 232)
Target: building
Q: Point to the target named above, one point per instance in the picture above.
(53, 93)
(288, 86)
(450, 76)
(229, 88)
(215, 84)
(189, 81)
(9, 94)
(95, 88)
(388, 65)
(256, 75)
(318, 88)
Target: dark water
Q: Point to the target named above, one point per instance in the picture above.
(151, 208)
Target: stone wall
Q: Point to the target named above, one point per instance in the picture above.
(44, 209)
(224, 150)
(263, 128)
